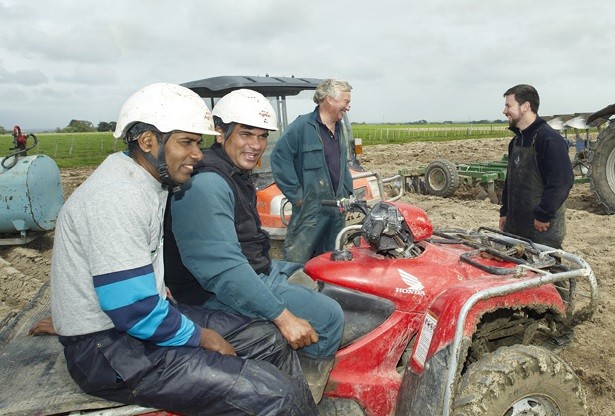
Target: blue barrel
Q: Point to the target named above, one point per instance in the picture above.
(30, 195)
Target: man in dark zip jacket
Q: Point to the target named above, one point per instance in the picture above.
(217, 253)
(539, 176)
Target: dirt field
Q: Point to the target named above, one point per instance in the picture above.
(590, 235)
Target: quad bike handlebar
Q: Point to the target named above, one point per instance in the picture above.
(350, 204)
(383, 227)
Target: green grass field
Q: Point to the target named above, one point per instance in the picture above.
(69, 149)
(406, 133)
(89, 149)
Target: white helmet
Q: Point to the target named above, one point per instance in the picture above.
(167, 107)
(246, 107)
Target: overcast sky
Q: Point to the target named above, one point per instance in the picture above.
(407, 60)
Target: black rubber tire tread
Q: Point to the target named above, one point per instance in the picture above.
(441, 178)
(339, 407)
(499, 379)
(601, 167)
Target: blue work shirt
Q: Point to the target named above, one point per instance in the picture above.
(204, 228)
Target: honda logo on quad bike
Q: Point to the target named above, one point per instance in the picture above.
(415, 287)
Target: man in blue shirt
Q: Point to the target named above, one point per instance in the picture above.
(214, 235)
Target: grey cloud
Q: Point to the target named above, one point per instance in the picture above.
(406, 59)
(22, 77)
(11, 95)
(80, 43)
(91, 75)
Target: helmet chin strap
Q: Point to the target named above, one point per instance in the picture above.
(160, 163)
(230, 127)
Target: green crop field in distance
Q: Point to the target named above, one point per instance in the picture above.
(71, 150)
(407, 133)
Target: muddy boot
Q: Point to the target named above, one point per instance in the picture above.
(316, 371)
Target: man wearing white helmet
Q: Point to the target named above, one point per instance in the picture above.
(124, 338)
(217, 253)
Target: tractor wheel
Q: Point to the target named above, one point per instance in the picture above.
(441, 178)
(520, 380)
(602, 168)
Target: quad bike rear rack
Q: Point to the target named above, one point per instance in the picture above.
(582, 270)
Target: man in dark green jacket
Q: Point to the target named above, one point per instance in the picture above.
(309, 165)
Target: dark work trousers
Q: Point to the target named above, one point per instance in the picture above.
(265, 377)
(525, 188)
(312, 230)
(324, 314)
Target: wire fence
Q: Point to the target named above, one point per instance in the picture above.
(69, 149)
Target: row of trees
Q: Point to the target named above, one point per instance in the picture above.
(84, 126)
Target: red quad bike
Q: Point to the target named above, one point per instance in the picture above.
(448, 322)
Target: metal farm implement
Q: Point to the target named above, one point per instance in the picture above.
(593, 162)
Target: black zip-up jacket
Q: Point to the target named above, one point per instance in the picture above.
(553, 163)
(253, 239)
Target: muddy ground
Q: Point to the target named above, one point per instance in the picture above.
(23, 269)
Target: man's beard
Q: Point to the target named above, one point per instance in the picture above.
(513, 122)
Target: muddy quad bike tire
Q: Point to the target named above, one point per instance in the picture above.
(441, 178)
(520, 380)
(601, 171)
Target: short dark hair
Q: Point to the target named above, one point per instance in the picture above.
(523, 93)
(227, 128)
(136, 130)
